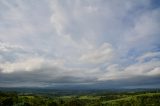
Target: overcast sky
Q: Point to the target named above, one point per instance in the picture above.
(50, 42)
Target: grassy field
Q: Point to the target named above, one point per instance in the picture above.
(149, 99)
(142, 98)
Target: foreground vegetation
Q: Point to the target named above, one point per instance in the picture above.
(81, 99)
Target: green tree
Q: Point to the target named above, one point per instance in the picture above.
(52, 104)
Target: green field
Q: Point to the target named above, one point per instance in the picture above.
(81, 99)
(149, 99)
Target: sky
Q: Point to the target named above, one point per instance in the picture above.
(107, 43)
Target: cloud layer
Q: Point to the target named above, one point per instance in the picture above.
(45, 42)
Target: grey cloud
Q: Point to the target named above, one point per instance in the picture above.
(48, 72)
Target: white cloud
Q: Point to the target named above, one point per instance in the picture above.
(98, 55)
(154, 72)
(145, 31)
(6, 47)
(149, 55)
(25, 65)
(114, 72)
(29, 64)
